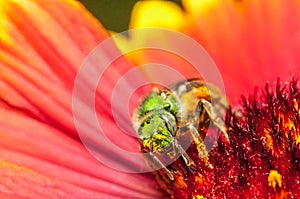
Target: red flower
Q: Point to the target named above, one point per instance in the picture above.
(42, 45)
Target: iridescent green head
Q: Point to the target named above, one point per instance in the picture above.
(164, 100)
(157, 130)
(155, 119)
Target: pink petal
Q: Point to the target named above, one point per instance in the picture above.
(41, 154)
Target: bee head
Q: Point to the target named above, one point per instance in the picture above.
(157, 130)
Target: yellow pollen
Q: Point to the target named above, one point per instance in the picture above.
(146, 143)
(160, 136)
(268, 141)
(198, 197)
(199, 179)
(275, 180)
(290, 124)
(202, 92)
(180, 183)
(297, 139)
(287, 122)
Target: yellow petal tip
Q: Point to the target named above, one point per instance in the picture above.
(163, 14)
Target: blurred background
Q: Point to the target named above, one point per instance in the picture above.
(113, 14)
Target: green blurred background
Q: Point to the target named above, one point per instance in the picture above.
(113, 14)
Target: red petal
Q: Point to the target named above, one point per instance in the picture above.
(251, 41)
(40, 53)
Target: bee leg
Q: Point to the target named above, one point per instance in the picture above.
(185, 157)
(157, 164)
(201, 148)
(214, 116)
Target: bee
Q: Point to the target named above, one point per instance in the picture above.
(166, 115)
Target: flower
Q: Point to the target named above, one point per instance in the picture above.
(42, 46)
(250, 41)
(42, 154)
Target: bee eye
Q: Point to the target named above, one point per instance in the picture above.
(147, 121)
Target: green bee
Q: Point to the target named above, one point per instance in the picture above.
(166, 115)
